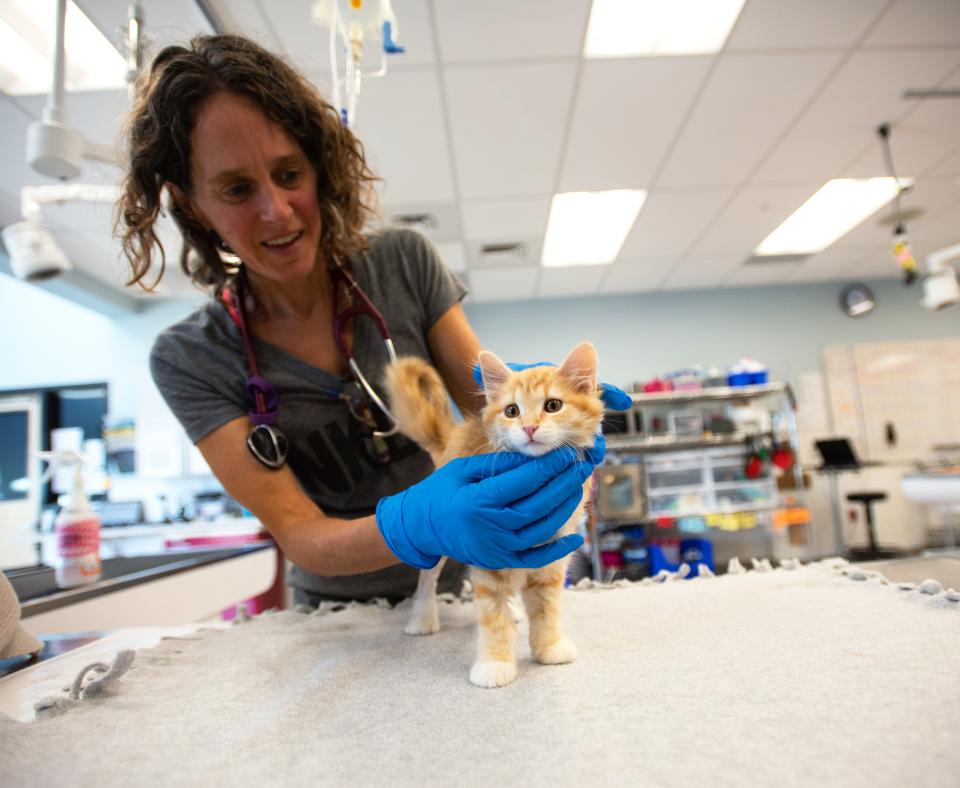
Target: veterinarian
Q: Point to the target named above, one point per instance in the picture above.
(276, 378)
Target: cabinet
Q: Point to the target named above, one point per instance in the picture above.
(683, 455)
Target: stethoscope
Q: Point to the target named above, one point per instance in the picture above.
(266, 440)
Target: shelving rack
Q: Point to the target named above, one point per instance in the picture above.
(700, 465)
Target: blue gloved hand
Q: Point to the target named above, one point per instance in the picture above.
(613, 398)
(493, 511)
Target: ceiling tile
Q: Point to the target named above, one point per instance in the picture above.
(507, 30)
(937, 199)
(698, 272)
(841, 122)
(917, 22)
(672, 220)
(527, 254)
(877, 264)
(830, 264)
(522, 217)
(616, 139)
(400, 115)
(165, 22)
(453, 254)
(949, 166)
(504, 284)
(755, 274)
(581, 280)
(741, 114)
(507, 124)
(807, 24)
(751, 216)
(918, 142)
(439, 221)
(638, 275)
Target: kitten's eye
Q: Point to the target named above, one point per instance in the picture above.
(511, 411)
(552, 405)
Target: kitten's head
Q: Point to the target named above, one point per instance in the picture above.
(540, 408)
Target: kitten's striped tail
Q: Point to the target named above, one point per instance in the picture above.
(420, 404)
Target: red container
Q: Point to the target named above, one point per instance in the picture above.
(611, 558)
(657, 384)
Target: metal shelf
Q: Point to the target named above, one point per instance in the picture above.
(715, 393)
(672, 443)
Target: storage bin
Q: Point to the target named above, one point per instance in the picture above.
(696, 552)
(664, 554)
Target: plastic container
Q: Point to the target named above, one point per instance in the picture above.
(739, 379)
(657, 385)
(696, 552)
(664, 554)
(77, 528)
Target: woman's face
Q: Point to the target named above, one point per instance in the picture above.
(254, 186)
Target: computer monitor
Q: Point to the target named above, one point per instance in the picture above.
(837, 453)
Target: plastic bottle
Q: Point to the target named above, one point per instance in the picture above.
(77, 528)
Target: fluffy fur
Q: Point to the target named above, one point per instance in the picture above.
(521, 414)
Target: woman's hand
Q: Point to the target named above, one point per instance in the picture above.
(494, 511)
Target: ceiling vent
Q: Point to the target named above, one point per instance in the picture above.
(775, 259)
(504, 253)
(424, 222)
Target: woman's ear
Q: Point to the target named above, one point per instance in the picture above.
(494, 372)
(580, 368)
(185, 205)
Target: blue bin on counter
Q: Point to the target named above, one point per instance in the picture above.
(695, 552)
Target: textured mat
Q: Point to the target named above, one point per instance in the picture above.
(800, 677)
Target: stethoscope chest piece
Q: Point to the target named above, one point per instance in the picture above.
(268, 444)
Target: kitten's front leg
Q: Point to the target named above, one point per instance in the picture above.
(424, 619)
(496, 663)
(542, 593)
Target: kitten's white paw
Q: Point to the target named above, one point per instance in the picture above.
(517, 613)
(423, 625)
(560, 652)
(492, 674)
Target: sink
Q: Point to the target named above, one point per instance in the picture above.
(934, 488)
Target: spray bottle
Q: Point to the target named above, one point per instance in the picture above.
(77, 526)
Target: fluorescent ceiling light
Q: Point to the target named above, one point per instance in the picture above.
(627, 28)
(837, 207)
(589, 228)
(27, 31)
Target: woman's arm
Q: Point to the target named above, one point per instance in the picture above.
(320, 544)
(455, 348)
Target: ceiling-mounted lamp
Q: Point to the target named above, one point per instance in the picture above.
(53, 148)
(34, 254)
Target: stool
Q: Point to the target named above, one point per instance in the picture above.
(871, 552)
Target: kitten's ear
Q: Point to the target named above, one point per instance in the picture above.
(494, 372)
(580, 368)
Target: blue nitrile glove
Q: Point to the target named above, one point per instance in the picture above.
(613, 398)
(493, 511)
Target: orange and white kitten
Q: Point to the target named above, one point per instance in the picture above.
(532, 411)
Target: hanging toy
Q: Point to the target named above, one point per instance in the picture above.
(901, 246)
(904, 255)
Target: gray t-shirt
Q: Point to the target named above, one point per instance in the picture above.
(200, 367)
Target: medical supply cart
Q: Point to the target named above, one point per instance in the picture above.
(700, 459)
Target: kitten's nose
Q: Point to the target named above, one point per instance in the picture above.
(530, 430)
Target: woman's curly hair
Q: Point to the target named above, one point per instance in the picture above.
(170, 95)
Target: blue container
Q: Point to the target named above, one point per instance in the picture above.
(738, 379)
(756, 378)
(695, 552)
(661, 559)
